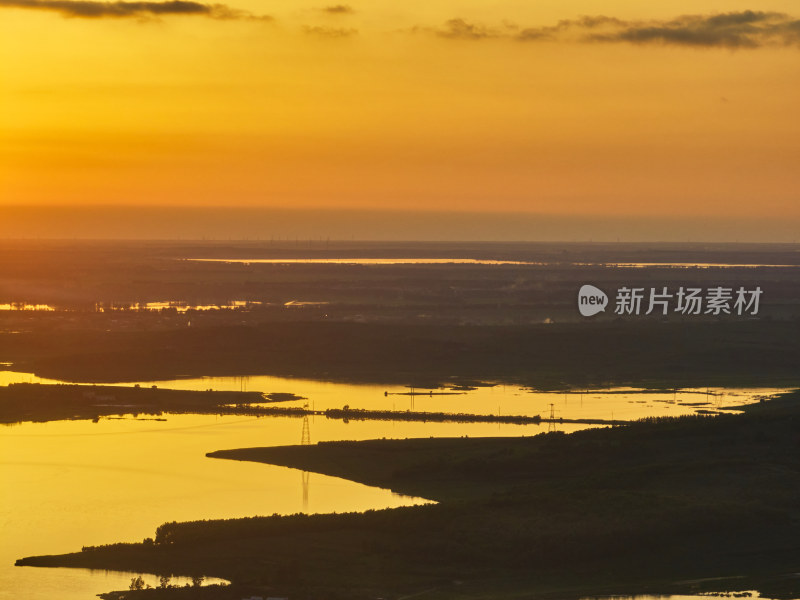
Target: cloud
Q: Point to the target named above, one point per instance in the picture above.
(566, 28)
(745, 29)
(459, 29)
(92, 9)
(338, 9)
(330, 32)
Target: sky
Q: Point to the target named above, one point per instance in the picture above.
(661, 112)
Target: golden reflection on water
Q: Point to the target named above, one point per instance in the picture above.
(366, 261)
(742, 594)
(73, 483)
(26, 306)
(478, 261)
(616, 403)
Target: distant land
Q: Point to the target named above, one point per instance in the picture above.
(402, 323)
(247, 223)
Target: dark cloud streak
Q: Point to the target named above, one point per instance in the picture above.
(330, 32)
(338, 9)
(745, 29)
(92, 9)
(459, 29)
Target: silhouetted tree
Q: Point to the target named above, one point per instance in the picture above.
(137, 583)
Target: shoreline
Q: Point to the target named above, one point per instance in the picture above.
(491, 483)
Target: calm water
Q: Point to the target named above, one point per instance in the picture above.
(74, 483)
(26, 306)
(183, 306)
(742, 594)
(476, 261)
(617, 403)
(366, 261)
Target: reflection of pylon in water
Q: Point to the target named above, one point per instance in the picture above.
(305, 475)
(551, 425)
(305, 440)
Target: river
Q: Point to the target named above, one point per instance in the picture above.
(72, 483)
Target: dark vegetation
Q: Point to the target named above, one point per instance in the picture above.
(638, 508)
(37, 402)
(172, 592)
(619, 510)
(282, 397)
(80, 274)
(401, 324)
(543, 356)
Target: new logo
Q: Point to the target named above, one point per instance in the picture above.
(591, 300)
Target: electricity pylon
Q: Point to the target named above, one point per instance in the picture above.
(305, 440)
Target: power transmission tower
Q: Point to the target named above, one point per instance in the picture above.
(305, 440)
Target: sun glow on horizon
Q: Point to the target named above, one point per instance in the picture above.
(474, 107)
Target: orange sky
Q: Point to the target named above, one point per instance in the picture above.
(440, 105)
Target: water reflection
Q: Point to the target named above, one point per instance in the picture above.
(26, 306)
(366, 261)
(705, 596)
(478, 261)
(305, 440)
(73, 483)
(177, 306)
(78, 584)
(490, 399)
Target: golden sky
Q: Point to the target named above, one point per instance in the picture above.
(567, 107)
